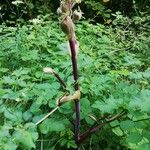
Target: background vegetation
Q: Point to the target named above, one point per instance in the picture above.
(114, 75)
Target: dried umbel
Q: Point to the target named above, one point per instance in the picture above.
(59, 11)
(66, 7)
(67, 19)
(77, 15)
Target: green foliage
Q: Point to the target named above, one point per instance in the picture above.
(97, 8)
(113, 74)
(19, 11)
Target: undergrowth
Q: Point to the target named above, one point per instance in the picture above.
(114, 76)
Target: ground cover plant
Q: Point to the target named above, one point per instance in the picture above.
(114, 78)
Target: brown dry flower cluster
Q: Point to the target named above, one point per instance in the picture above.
(69, 17)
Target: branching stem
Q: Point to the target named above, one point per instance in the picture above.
(93, 129)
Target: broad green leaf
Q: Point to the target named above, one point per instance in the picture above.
(146, 134)
(127, 125)
(14, 116)
(9, 145)
(142, 101)
(51, 124)
(134, 137)
(4, 132)
(106, 107)
(71, 144)
(117, 131)
(9, 80)
(27, 115)
(30, 55)
(4, 70)
(145, 146)
(44, 127)
(114, 123)
(85, 105)
(23, 138)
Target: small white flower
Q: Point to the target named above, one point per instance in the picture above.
(18, 99)
(35, 21)
(17, 2)
(59, 11)
(78, 1)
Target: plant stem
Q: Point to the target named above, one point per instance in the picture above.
(45, 117)
(60, 80)
(76, 87)
(94, 129)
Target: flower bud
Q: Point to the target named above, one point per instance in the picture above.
(67, 26)
(48, 70)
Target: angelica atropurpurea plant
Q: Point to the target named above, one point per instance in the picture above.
(67, 17)
(67, 20)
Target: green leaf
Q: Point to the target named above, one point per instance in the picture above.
(127, 125)
(114, 123)
(134, 137)
(55, 85)
(14, 116)
(50, 125)
(89, 120)
(118, 131)
(142, 101)
(72, 144)
(21, 71)
(146, 134)
(9, 145)
(4, 70)
(146, 74)
(23, 138)
(27, 115)
(145, 146)
(44, 127)
(106, 107)
(31, 128)
(30, 55)
(9, 80)
(85, 105)
(4, 132)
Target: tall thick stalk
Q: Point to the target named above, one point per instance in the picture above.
(67, 19)
(76, 87)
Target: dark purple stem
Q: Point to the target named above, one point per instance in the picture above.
(94, 129)
(72, 43)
